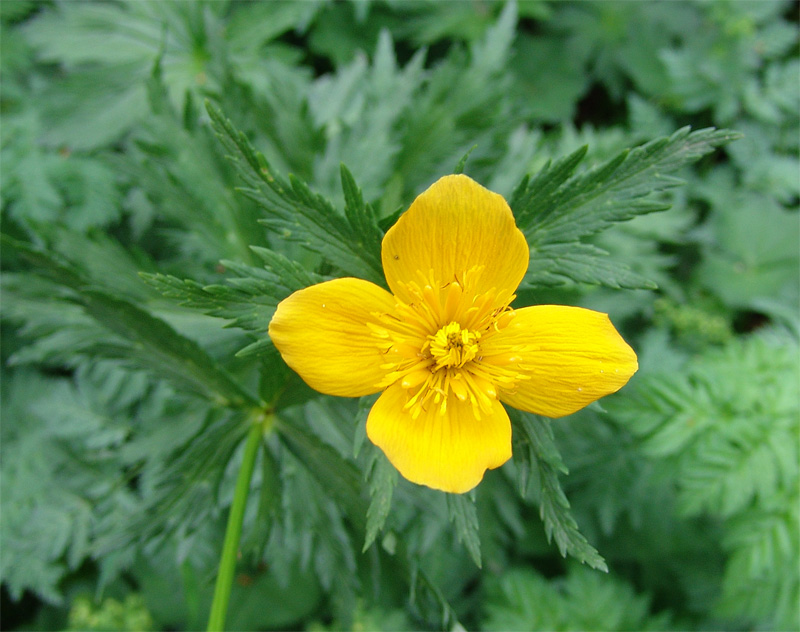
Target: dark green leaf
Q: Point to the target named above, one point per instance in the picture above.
(249, 299)
(464, 516)
(463, 162)
(541, 460)
(556, 209)
(297, 214)
(382, 481)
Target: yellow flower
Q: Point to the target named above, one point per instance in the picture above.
(446, 348)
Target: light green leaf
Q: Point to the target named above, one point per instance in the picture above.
(159, 347)
(142, 338)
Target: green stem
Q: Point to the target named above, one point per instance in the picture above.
(233, 532)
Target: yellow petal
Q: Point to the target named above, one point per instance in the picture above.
(453, 227)
(322, 332)
(449, 451)
(571, 357)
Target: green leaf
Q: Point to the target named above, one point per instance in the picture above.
(42, 185)
(159, 347)
(541, 460)
(249, 299)
(341, 481)
(61, 471)
(556, 209)
(360, 215)
(463, 161)
(362, 127)
(727, 445)
(182, 488)
(269, 507)
(297, 214)
(44, 509)
(94, 107)
(761, 579)
(552, 89)
(254, 24)
(581, 263)
(464, 515)
(359, 436)
(143, 338)
(521, 599)
(341, 478)
(754, 255)
(382, 478)
(491, 53)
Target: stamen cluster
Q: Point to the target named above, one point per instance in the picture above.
(443, 342)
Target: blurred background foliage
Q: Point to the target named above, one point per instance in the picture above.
(121, 406)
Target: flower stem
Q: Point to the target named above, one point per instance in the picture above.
(233, 532)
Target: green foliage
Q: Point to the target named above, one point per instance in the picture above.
(247, 300)
(172, 171)
(728, 423)
(464, 517)
(726, 428)
(46, 528)
(540, 463)
(294, 212)
(695, 326)
(383, 479)
(555, 209)
(524, 600)
(753, 251)
(141, 337)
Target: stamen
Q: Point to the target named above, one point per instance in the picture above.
(434, 346)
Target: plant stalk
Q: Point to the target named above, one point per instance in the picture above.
(233, 532)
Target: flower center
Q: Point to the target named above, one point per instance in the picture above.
(453, 346)
(433, 345)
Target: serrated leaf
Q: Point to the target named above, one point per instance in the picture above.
(382, 478)
(341, 480)
(59, 469)
(463, 160)
(728, 446)
(182, 492)
(296, 213)
(553, 264)
(492, 52)
(161, 348)
(532, 193)
(464, 515)
(521, 599)
(360, 215)
(540, 460)
(340, 477)
(556, 209)
(359, 436)
(249, 299)
(148, 340)
(262, 347)
(269, 505)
